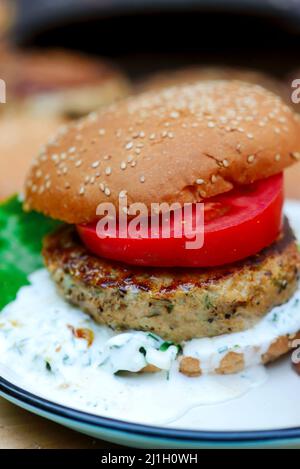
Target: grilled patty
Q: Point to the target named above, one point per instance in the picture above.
(177, 304)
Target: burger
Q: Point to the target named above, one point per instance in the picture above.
(60, 83)
(218, 145)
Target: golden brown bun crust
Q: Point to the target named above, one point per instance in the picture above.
(182, 144)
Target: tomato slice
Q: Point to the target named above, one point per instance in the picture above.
(237, 224)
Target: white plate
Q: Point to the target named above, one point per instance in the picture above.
(268, 415)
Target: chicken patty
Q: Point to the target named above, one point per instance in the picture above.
(176, 304)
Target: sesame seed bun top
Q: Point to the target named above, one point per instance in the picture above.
(183, 144)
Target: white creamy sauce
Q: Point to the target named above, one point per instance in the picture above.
(253, 343)
(37, 342)
(54, 350)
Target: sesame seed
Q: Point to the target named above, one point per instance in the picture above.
(102, 187)
(95, 164)
(225, 163)
(133, 164)
(63, 129)
(129, 158)
(108, 170)
(129, 145)
(199, 181)
(48, 184)
(138, 151)
(38, 174)
(152, 136)
(72, 150)
(122, 194)
(213, 178)
(63, 156)
(202, 193)
(92, 116)
(277, 157)
(78, 163)
(123, 165)
(251, 158)
(142, 134)
(107, 191)
(250, 136)
(67, 185)
(211, 124)
(81, 190)
(174, 114)
(170, 135)
(101, 132)
(142, 179)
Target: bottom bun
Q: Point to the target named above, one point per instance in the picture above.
(273, 336)
(234, 362)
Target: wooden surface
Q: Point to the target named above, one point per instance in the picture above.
(20, 429)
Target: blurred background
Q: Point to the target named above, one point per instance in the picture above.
(62, 59)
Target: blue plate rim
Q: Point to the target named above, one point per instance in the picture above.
(82, 417)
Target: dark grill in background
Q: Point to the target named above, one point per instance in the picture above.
(146, 35)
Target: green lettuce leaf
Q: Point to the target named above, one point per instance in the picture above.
(21, 237)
